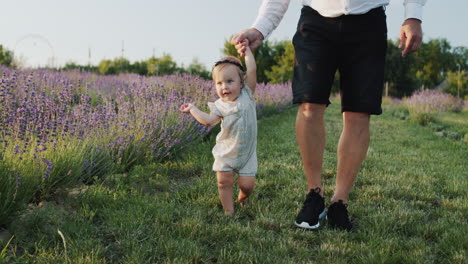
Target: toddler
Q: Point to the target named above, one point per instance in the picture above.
(236, 143)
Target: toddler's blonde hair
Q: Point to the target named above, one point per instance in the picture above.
(229, 60)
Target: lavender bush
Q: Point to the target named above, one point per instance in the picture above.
(13, 193)
(272, 98)
(59, 128)
(425, 105)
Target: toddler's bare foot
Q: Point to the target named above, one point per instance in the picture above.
(226, 213)
(242, 201)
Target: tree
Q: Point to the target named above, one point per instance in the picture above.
(398, 71)
(105, 67)
(72, 65)
(461, 57)
(432, 61)
(6, 56)
(266, 56)
(121, 65)
(283, 69)
(161, 66)
(116, 66)
(197, 68)
(457, 84)
(426, 68)
(139, 67)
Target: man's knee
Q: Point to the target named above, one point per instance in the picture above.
(311, 111)
(356, 117)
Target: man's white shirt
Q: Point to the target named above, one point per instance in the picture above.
(272, 11)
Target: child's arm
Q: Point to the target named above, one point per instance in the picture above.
(202, 117)
(251, 68)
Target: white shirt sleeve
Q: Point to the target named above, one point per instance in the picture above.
(269, 16)
(414, 8)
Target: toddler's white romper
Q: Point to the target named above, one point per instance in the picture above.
(236, 143)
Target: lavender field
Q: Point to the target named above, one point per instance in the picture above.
(110, 171)
(59, 129)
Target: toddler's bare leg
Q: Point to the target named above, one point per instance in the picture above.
(225, 182)
(246, 187)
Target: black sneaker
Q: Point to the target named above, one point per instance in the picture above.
(312, 211)
(337, 216)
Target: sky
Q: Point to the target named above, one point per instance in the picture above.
(87, 31)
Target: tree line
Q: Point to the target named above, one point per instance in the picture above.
(154, 66)
(164, 65)
(437, 65)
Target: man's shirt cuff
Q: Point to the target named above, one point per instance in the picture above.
(413, 10)
(263, 26)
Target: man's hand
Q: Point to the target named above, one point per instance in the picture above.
(410, 36)
(253, 36)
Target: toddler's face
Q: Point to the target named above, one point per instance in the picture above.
(228, 83)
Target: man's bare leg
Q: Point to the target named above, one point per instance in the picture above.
(311, 138)
(352, 150)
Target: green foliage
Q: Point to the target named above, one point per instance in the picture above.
(97, 164)
(282, 71)
(105, 67)
(73, 66)
(116, 66)
(195, 67)
(153, 66)
(457, 84)
(398, 73)
(397, 111)
(140, 67)
(161, 66)
(267, 55)
(230, 50)
(24, 179)
(433, 60)
(14, 193)
(452, 125)
(426, 68)
(6, 56)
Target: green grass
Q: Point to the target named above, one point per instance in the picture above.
(409, 205)
(453, 125)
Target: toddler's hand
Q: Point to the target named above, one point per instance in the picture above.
(245, 43)
(242, 47)
(185, 108)
(253, 35)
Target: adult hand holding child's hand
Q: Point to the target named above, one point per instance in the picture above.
(252, 35)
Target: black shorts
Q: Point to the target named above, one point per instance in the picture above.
(355, 45)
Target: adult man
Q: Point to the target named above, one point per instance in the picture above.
(351, 36)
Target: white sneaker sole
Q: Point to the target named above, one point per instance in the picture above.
(306, 225)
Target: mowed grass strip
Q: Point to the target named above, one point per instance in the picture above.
(409, 205)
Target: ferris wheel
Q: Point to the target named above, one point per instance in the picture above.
(34, 51)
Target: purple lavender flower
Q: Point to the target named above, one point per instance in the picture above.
(48, 170)
(135, 117)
